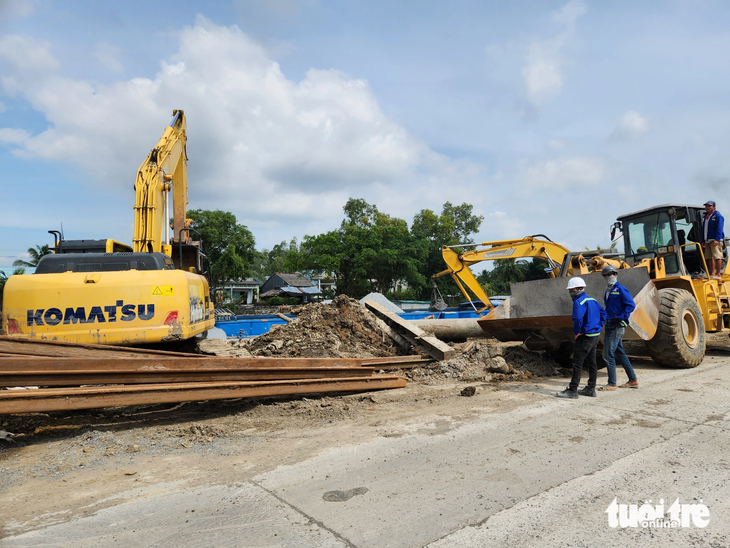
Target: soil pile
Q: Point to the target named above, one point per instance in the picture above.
(343, 329)
(346, 329)
(490, 361)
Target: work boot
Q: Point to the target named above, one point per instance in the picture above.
(567, 393)
(585, 391)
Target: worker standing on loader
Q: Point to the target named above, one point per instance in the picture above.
(714, 237)
(588, 320)
(619, 306)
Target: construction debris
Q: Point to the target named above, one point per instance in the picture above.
(488, 361)
(413, 334)
(343, 329)
(63, 399)
(382, 300)
(326, 348)
(121, 378)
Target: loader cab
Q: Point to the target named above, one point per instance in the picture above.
(671, 232)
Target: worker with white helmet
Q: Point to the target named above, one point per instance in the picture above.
(588, 320)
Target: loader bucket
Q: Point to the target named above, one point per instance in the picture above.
(539, 312)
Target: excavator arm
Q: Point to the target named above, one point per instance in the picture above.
(164, 170)
(529, 246)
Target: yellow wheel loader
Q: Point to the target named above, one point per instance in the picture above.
(105, 292)
(663, 265)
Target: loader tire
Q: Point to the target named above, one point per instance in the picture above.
(680, 338)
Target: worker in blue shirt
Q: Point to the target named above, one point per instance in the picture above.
(619, 306)
(588, 320)
(713, 234)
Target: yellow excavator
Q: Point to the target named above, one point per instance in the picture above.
(105, 292)
(663, 265)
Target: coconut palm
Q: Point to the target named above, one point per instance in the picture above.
(35, 256)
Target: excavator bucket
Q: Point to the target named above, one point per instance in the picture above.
(539, 312)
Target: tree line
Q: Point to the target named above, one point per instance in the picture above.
(369, 251)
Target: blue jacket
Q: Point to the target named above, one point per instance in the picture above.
(588, 316)
(619, 303)
(715, 228)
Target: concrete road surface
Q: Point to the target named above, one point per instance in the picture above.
(543, 474)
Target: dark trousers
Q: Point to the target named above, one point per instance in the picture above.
(585, 351)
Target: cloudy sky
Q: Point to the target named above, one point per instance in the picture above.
(548, 116)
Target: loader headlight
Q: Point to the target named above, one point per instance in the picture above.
(662, 250)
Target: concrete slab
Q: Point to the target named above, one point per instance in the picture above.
(423, 487)
(221, 516)
(691, 467)
(539, 474)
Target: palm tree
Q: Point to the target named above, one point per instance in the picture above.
(601, 248)
(35, 256)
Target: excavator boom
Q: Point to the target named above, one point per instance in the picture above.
(164, 170)
(539, 246)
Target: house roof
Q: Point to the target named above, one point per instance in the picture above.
(291, 291)
(294, 280)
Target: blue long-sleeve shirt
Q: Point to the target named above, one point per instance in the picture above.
(713, 227)
(619, 303)
(588, 316)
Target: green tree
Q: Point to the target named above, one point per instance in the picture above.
(283, 257)
(508, 271)
(35, 255)
(455, 225)
(371, 251)
(228, 244)
(599, 247)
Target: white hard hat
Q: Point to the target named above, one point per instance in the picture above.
(576, 282)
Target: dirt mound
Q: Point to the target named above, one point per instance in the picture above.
(343, 329)
(346, 329)
(489, 361)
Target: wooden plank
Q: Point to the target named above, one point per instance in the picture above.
(42, 347)
(415, 335)
(63, 399)
(403, 365)
(287, 319)
(397, 362)
(80, 377)
(395, 359)
(14, 364)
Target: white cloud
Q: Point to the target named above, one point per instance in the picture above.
(543, 72)
(270, 149)
(543, 75)
(629, 194)
(13, 136)
(555, 144)
(564, 173)
(109, 56)
(632, 126)
(570, 12)
(16, 8)
(504, 225)
(27, 56)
